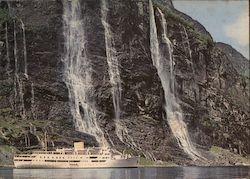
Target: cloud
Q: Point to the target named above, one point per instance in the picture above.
(239, 30)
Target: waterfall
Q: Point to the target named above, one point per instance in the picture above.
(24, 50)
(33, 101)
(15, 49)
(7, 49)
(21, 96)
(172, 108)
(18, 83)
(115, 79)
(113, 64)
(186, 45)
(77, 74)
(16, 66)
(186, 40)
(169, 50)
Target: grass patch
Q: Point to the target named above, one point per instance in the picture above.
(221, 153)
(7, 148)
(143, 161)
(147, 162)
(5, 110)
(216, 150)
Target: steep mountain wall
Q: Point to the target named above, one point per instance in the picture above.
(239, 62)
(211, 93)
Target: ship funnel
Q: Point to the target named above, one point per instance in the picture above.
(78, 146)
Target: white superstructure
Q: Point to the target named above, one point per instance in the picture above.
(77, 157)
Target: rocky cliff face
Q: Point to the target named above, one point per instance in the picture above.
(239, 62)
(34, 97)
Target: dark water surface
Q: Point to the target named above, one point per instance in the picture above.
(133, 173)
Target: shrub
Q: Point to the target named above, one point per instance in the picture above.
(4, 16)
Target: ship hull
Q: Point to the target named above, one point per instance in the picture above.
(121, 163)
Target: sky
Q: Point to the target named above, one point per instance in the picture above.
(226, 20)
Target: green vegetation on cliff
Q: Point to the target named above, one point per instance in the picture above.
(169, 13)
(4, 16)
(6, 155)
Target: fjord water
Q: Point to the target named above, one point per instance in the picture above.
(130, 173)
(166, 75)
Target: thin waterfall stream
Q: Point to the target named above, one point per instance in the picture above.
(7, 49)
(78, 71)
(113, 64)
(24, 50)
(18, 82)
(161, 62)
(33, 101)
(115, 79)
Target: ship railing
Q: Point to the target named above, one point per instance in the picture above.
(48, 152)
(66, 151)
(24, 156)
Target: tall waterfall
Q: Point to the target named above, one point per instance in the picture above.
(186, 40)
(172, 108)
(78, 71)
(33, 101)
(114, 75)
(18, 83)
(113, 64)
(187, 48)
(24, 50)
(7, 49)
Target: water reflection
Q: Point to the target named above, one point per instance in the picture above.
(133, 173)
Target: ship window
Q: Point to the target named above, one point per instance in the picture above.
(93, 157)
(50, 160)
(18, 160)
(62, 160)
(75, 161)
(98, 160)
(26, 160)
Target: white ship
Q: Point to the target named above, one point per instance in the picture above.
(77, 157)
